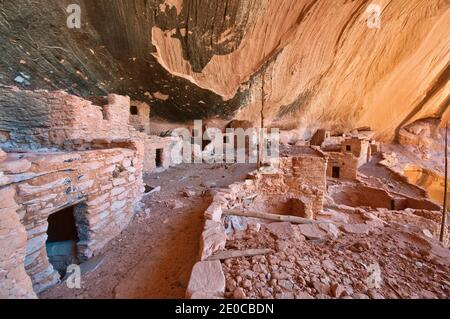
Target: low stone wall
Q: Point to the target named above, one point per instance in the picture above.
(298, 177)
(207, 278)
(105, 185)
(360, 195)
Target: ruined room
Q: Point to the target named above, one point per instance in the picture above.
(238, 149)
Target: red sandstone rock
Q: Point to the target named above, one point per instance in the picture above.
(321, 288)
(375, 295)
(239, 293)
(15, 166)
(303, 295)
(283, 230)
(285, 295)
(360, 247)
(207, 277)
(213, 239)
(360, 229)
(312, 231)
(2, 155)
(337, 290)
(204, 296)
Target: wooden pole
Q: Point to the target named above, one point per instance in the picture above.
(273, 217)
(261, 132)
(444, 209)
(223, 255)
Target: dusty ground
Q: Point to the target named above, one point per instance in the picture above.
(154, 257)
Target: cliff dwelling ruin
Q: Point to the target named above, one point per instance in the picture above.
(236, 150)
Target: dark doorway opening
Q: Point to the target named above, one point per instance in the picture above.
(336, 172)
(62, 239)
(134, 110)
(348, 148)
(393, 204)
(159, 157)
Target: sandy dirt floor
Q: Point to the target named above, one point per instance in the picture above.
(154, 257)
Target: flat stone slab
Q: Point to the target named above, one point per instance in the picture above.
(207, 277)
(359, 229)
(283, 230)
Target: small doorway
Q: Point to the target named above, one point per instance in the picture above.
(336, 172)
(62, 240)
(159, 157)
(134, 110)
(393, 204)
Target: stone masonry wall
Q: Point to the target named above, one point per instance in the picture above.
(347, 163)
(299, 177)
(104, 184)
(359, 148)
(42, 119)
(14, 281)
(154, 143)
(141, 120)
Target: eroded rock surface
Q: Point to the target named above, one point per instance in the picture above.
(316, 64)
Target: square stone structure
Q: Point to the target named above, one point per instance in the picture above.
(104, 187)
(140, 116)
(65, 156)
(42, 120)
(359, 147)
(320, 137)
(342, 166)
(298, 186)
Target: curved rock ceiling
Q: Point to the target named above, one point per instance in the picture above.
(316, 63)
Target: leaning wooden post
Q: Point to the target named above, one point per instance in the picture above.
(444, 209)
(261, 132)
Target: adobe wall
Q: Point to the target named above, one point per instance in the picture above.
(105, 184)
(347, 163)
